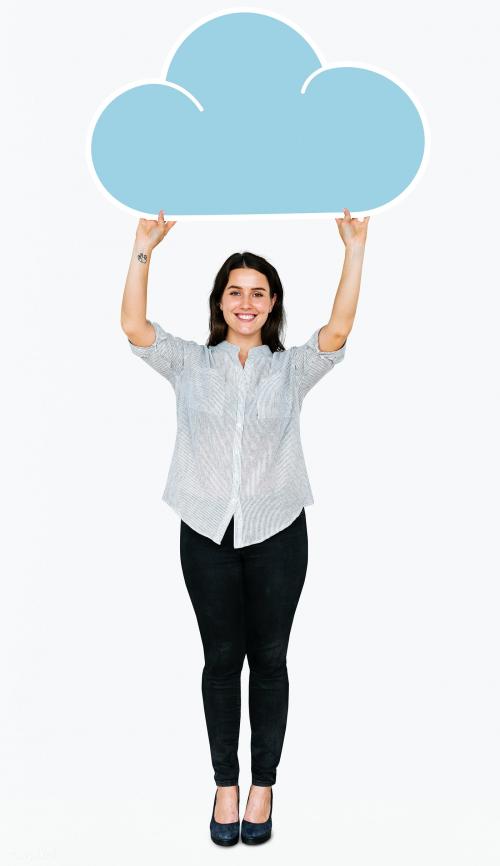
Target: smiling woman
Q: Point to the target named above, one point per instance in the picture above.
(242, 294)
(239, 483)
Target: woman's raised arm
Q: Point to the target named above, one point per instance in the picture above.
(133, 313)
(353, 233)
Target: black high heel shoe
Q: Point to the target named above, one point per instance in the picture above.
(225, 834)
(252, 833)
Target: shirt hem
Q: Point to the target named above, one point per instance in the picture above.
(280, 529)
(218, 539)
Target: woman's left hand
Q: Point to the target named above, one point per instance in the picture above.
(352, 231)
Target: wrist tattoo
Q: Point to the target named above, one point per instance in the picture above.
(142, 257)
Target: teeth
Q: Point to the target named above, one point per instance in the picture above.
(245, 316)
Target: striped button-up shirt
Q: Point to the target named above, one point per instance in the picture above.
(238, 450)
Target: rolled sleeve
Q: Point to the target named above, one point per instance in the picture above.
(311, 364)
(167, 355)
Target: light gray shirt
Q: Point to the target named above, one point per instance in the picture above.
(238, 449)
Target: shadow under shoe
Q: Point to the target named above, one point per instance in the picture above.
(252, 832)
(224, 834)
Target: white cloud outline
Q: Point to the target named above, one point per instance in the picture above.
(237, 217)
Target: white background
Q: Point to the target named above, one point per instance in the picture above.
(391, 753)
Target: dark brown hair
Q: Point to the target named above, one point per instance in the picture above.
(275, 322)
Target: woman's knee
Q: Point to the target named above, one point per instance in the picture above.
(268, 658)
(224, 658)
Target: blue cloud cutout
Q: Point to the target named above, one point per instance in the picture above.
(248, 121)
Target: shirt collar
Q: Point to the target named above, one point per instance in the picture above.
(226, 346)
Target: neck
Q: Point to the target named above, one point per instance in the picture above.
(244, 343)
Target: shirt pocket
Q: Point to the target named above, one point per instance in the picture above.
(274, 397)
(205, 392)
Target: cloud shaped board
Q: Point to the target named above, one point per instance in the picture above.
(247, 120)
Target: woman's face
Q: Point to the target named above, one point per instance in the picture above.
(247, 291)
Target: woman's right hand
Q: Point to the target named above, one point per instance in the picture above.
(150, 232)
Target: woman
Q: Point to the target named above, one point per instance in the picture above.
(239, 483)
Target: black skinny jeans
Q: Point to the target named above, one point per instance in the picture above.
(245, 600)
